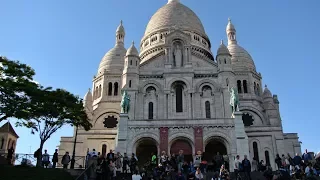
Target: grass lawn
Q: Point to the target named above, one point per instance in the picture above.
(32, 173)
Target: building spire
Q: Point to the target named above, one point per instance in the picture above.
(231, 33)
(120, 34)
(176, 1)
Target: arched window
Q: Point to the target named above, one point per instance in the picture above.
(207, 108)
(225, 61)
(110, 89)
(116, 88)
(239, 86)
(258, 89)
(130, 62)
(179, 101)
(129, 83)
(150, 110)
(245, 87)
(136, 63)
(255, 151)
(99, 91)
(227, 82)
(266, 154)
(104, 149)
(2, 143)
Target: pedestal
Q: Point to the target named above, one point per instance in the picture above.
(241, 136)
(121, 141)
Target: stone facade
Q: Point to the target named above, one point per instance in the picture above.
(180, 96)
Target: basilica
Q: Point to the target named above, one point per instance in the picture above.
(179, 93)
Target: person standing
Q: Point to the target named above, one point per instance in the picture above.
(55, 159)
(246, 167)
(45, 159)
(180, 160)
(65, 160)
(237, 163)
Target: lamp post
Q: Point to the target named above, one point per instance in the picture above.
(74, 149)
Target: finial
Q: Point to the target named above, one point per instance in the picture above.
(89, 89)
(265, 86)
(221, 42)
(169, 1)
(229, 19)
(132, 43)
(121, 22)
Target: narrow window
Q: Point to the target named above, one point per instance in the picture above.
(130, 84)
(2, 143)
(116, 89)
(136, 63)
(225, 61)
(245, 88)
(130, 62)
(239, 86)
(255, 88)
(266, 154)
(110, 89)
(207, 108)
(99, 91)
(104, 149)
(150, 110)
(179, 102)
(255, 151)
(9, 142)
(258, 89)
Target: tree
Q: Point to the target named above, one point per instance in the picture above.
(16, 88)
(51, 110)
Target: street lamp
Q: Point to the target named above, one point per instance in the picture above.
(74, 149)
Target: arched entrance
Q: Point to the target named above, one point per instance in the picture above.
(215, 149)
(182, 144)
(145, 147)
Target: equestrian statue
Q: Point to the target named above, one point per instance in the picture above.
(125, 102)
(234, 100)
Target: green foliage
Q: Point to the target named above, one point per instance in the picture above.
(16, 88)
(52, 109)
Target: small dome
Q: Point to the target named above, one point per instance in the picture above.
(266, 93)
(223, 50)
(175, 15)
(230, 26)
(132, 50)
(120, 28)
(88, 97)
(113, 60)
(241, 57)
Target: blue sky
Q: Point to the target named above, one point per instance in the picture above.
(64, 42)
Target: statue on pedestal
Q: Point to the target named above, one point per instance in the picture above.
(234, 100)
(125, 102)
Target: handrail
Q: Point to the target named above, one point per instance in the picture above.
(85, 171)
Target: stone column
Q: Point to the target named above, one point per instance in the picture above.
(198, 139)
(241, 136)
(121, 141)
(163, 140)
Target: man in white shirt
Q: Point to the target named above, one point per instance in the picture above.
(237, 168)
(136, 176)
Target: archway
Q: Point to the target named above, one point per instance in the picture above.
(212, 148)
(145, 147)
(184, 145)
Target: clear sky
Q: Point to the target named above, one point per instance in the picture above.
(64, 42)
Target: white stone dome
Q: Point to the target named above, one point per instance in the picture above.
(223, 50)
(241, 58)
(113, 60)
(175, 15)
(132, 50)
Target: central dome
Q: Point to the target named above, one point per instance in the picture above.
(175, 15)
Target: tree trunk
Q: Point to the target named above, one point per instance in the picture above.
(39, 158)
